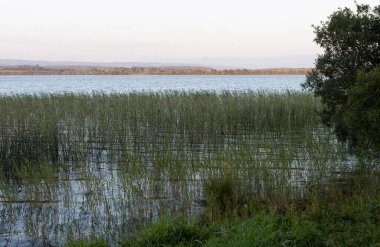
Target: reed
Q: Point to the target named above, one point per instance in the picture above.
(126, 159)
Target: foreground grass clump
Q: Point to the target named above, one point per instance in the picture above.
(227, 197)
(170, 232)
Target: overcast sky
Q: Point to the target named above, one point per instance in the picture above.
(234, 32)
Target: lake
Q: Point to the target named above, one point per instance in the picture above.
(140, 83)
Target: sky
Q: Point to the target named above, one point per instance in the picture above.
(245, 33)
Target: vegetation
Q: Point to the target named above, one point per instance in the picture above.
(351, 46)
(202, 168)
(174, 70)
(46, 128)
(110, 164)
(362, 116)
(325, 219)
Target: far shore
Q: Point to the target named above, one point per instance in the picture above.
(95, 70)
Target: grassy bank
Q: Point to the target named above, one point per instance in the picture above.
(345, 213)
(110, 164)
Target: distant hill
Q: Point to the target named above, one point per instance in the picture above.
(12, 62)
(12, 69)
(296, 61)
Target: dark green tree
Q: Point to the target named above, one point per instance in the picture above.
(362, 115)
(351, 44)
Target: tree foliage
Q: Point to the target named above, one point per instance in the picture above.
(351, 44)
(362, 116)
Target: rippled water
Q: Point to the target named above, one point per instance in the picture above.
(88, 83)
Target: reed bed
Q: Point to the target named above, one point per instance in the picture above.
(106, 163)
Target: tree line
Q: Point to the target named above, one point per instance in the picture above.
(84, 70)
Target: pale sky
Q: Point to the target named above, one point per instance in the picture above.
(231, 31)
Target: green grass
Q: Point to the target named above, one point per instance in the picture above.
(344, 212)
(126, 160)
(353, 223)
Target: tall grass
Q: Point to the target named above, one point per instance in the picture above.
(133, 157)
(66, 128)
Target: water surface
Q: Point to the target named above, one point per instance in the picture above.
(139, 83)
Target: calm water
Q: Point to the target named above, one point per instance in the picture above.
(83, 84)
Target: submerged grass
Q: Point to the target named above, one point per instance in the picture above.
(63, 128)
(111, 162)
